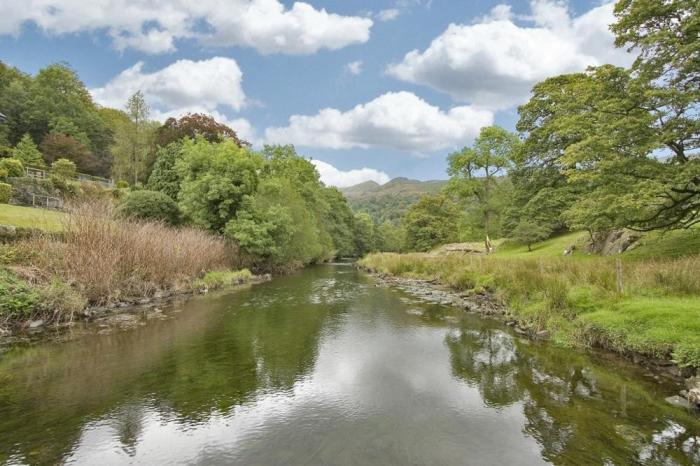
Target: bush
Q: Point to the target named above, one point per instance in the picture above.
(64, 169)
(14, 167)
(220, 279)
(17, 298)
(3, 173)
(5, 193)
(60, 300)
(150, 205)
(121, 184)
(106, 260)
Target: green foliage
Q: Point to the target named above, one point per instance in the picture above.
(61, 300)
(17, 298)
(5, 193)
(275, 225)
(365, 232)
(528, 232)
(150, 205)
(27, 152)
(220, 279)
(193, 125)
(431, 222)
(122, 184)
(64, 169)
(164, 177)
(13, 167)
(134, 141)
(216, 177)
(475, 172)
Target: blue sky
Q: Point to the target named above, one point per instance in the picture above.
(257, 63)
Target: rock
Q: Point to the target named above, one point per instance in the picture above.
(678, 401)
(36, 323)
(693, 392)
(570, 250)
(612, 242)
(415, 312)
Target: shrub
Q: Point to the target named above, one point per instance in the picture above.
(121, 184)
(17, 298)
(60, 300)
(14, 167)
(63, 169)
(150, 205)
(3, 173)
(5, 193)
(107, 259)
(220, 279)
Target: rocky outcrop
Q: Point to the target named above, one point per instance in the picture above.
(612, 242)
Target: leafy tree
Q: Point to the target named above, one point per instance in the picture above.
(164, 177)
(13, 167)
(339, 222)
(150, 205)
(475, 172)
(391, 237)
(215, 179)
(431, 222)
(57, 146)
(365, 232)
(193, 125)
(133, 141)
(275, 225)
(27, 152)
(528, 232)
(63, 168)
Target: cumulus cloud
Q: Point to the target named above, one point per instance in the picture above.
(206, 84)
(154, 26)
(331, 176)
(354, 67)
(396, 120)
(494, 62)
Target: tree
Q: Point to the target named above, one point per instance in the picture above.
(150, 205)
(528, 232)
(365, 233)
(164, 177)
(57, 146)
(133, 141)
(475, 170)
(215, 178)
(26, 152)
(193, 125)
(430, 222)
(63, 168)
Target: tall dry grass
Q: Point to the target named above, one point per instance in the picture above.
(108, 259)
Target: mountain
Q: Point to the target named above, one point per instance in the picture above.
(389, 201)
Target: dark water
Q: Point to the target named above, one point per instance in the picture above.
(324, 367)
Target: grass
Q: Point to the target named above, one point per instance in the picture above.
(655, 312)
(223, 278)
(100, 260)
(552, 247)
(31, 217)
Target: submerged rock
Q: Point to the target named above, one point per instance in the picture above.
(36, 323)
(678, 401)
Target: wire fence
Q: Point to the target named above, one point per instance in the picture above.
(41, 174)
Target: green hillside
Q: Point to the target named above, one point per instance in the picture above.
(389, 201)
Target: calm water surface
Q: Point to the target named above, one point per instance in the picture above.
(325, 367)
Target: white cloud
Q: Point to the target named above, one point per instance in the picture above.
(389, 14)
(206, 84)
(495, 62)
(397, 120)
(154, 26)
(354, 67)
(331, 176)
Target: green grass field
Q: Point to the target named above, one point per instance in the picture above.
(30, 217)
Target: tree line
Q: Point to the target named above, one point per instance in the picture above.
(598, 150)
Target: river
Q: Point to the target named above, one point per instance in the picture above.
(326, 367)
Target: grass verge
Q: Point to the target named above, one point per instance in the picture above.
(30, 217)
(650, 307)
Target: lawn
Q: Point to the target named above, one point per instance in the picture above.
(31, 217)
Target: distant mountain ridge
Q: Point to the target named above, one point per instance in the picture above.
(389, 201)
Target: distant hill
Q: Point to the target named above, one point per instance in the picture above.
(389, 201)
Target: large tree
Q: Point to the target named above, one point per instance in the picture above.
(476, 172)
(193, 125)
(430, 222)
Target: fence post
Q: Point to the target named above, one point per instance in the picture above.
(618, 273)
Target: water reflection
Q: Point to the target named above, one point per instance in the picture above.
(324, 367)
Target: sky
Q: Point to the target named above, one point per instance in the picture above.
(368, 89)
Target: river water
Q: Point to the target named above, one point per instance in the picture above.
(326, 367)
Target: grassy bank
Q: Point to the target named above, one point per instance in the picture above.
(30, 217)
(100, 260)
(645, 306)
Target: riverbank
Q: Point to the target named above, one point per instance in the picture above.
(575, 303)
